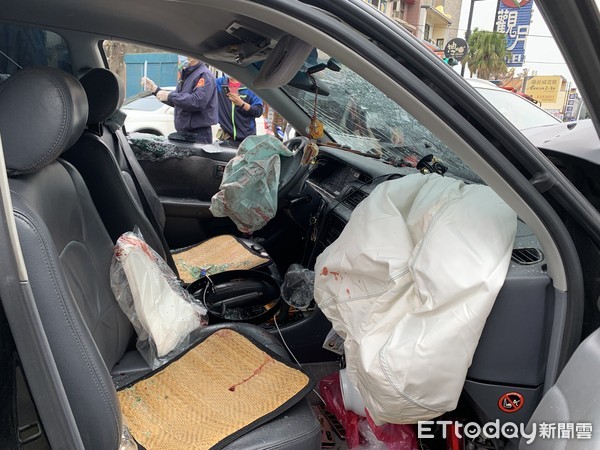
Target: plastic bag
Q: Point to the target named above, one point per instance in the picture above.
(297, 288)
(248, 192)
(331, 392)
(361, 432)
(161, 311)
(393, 435)
(370, 441)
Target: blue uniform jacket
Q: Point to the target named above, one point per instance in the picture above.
(195, 99)
(233, 119)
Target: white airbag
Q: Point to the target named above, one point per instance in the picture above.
(409, 284)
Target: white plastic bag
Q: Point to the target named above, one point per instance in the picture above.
(298, 286)
(409, 284)
(161, 311)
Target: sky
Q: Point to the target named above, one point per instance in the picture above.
(541, 53)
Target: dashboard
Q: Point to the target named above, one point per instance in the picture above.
(513, 348)
(338, 178)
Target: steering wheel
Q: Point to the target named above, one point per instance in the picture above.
(291, 170)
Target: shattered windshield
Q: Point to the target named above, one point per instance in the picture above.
(358, 115)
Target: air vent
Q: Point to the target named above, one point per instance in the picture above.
(353, 197)
(364, 178)
(527, 256)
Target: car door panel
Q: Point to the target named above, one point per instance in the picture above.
(185, 176)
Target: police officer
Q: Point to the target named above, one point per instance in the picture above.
(238, 109)
(194, 100)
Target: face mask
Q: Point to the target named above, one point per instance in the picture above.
(182, 62)
(234, 86)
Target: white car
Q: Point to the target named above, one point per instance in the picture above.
(145, 114)
(519, 111)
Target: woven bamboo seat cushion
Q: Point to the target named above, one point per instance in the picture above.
(215, 255)
(220, 389)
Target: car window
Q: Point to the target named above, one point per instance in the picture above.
(22, 47)
(522, 113)
(358, 115)
(131, 62)
(584, 113)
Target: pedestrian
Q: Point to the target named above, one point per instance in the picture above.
(238, 109)
(194, 100)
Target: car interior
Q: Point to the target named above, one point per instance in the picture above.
(78, 181)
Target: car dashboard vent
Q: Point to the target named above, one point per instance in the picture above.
(527, 256)
(353, 197)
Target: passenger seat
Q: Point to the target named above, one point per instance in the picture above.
(121, 191)
(67, 253)
(570, 407)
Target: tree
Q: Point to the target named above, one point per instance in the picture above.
(487, 54)
(115, 52)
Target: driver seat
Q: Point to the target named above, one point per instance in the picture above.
(122, 192)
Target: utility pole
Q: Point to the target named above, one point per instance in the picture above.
(496, 17)
(525, 79)
(468, 32)
(469, 22)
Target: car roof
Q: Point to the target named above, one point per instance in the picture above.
(144, 94)
(191, 27)
(479, 83)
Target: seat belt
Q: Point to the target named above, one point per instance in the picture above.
(140, 178)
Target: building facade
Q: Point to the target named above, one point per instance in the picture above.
(435, 21)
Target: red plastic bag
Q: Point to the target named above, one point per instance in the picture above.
(330, 390)
(395, 437)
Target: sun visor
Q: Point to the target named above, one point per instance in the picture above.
(283, 63)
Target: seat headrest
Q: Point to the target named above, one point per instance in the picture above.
(43, 112)
(105, 93)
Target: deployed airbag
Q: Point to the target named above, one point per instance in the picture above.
(409, 284)
(248, 192)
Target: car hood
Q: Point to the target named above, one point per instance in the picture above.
(578, 139)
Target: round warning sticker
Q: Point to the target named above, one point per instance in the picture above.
(510, 402)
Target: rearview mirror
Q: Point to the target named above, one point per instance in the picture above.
(305, 81)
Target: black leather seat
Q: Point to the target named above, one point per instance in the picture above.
(121, 191)
(97, 157)
(67, 252)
